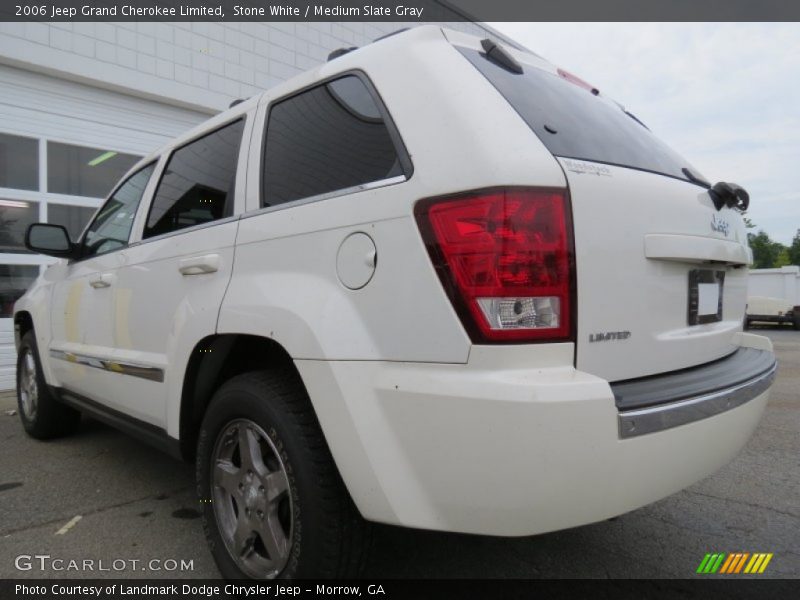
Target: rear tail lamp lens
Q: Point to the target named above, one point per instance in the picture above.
(505, 258)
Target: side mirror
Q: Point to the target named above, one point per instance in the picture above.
(53, 240)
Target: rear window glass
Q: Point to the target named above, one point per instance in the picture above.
(587, 127)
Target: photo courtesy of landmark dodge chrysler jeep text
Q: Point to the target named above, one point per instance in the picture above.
(434, 282)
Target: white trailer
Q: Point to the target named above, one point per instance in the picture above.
(773, 295)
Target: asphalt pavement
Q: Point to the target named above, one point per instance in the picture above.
(102, 496)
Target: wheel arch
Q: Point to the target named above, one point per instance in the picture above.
(217, 358)
(213, 361)
(23, 323)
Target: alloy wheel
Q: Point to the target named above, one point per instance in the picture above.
(251, 499)
(28, 387)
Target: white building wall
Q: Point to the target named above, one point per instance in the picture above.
(202, 66)
(38, 105)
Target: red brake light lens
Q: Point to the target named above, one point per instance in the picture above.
(505, 258)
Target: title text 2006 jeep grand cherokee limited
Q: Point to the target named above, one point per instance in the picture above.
(434, 282)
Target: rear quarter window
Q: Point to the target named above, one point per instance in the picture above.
(330, 138)
(572, 122)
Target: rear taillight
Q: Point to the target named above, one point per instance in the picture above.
(505, 258)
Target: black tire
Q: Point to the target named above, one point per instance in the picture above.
(326, 536)
(42, 415)
(796, 323)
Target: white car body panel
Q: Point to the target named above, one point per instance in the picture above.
(664, 233)
(300, 244)
(531, 450)
(287, 289)
(427, 428)
(151, 315)
(161, 314)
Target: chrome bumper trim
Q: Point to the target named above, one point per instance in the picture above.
(123, 368)
(642, 421)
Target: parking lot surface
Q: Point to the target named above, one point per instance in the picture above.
(136, 504)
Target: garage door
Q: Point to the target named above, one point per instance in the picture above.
(62, 146)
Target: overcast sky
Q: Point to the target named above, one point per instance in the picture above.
(725, 96)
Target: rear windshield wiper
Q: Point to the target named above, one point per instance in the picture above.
(730, 195)
(695, 177)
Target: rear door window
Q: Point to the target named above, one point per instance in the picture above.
(572, 122)
(330, 138)
(197, 186)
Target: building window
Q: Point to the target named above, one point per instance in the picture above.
(198, 183)
(82, 171)
(14, 280)
(15, 216)
(73, 218)
(19, 162)
(36, 178)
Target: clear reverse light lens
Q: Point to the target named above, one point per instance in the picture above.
(522, 313)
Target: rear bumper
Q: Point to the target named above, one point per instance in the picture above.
(497, 447)
(657, 403)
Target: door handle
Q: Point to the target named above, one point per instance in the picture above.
(199, 265)
(102, 280)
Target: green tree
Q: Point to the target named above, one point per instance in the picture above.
(766, 252)
(783, 257)
(794, 250)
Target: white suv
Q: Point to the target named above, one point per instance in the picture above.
(434, 282)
